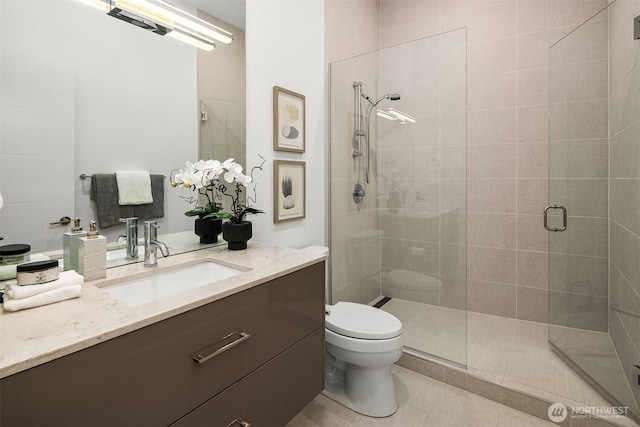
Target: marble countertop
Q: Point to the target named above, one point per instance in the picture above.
(32, 337)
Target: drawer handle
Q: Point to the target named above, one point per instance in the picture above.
(215, 349)
(239, 422)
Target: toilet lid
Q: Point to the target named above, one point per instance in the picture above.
(362, 321)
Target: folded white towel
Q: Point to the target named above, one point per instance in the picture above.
(45, 298)
(134, 188)
(67, 278)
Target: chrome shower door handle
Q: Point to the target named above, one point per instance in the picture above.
(546, 218)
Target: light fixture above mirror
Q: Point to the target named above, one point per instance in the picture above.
(164, 19)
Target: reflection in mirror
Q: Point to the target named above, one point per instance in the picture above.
(81, 92)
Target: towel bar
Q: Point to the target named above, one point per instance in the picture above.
(84, 176)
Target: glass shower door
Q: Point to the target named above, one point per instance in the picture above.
(580, 226)
(402, 245)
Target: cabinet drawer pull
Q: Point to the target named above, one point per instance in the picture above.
(239, 422)
(218, 347)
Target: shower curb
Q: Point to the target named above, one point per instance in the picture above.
(515, 399)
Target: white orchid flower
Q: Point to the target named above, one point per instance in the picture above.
(227, 163)
(244, 180)
(189, 176)
(234, 170)
(211, 164)
(229, 177)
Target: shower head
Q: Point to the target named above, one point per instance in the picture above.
(389, 96)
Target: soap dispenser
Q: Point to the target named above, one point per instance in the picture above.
(71, 245)
(92, 258)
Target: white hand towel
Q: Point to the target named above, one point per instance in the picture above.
(134, 188)
(67, 278)
(45, 298)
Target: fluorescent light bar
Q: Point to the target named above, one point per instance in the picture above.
(141, 9)
(385, 115)
(189, 22)
(163, 18)
(401, 116)
(192, 39)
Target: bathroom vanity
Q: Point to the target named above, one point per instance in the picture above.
(247, 349)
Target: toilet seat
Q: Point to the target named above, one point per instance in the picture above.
(362, 322)
(360, 345)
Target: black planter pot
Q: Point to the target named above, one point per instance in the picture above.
(208, 229)
(237, 235)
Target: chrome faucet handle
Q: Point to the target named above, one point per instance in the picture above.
(151, 244)
(131, 236)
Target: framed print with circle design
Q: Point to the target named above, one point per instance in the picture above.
(288, 120)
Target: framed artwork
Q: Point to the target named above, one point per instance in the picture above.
(289, 190)
(288, 120)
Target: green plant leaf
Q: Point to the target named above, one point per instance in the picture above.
(217, 215)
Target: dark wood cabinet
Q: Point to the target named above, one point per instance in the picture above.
(275, 338)
(292, 377)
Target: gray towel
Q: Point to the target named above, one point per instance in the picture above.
(104, 191)
(156, 209)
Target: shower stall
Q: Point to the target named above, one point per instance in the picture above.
(398, 213)
(398, 188)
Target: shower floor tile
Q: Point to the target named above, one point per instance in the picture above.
(514, 353)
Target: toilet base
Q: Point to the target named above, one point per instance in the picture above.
(368, 391)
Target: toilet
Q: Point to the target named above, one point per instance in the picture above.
(361, 344)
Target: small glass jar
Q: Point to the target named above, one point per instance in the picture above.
(14, 254)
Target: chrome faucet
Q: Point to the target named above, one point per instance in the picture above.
(131, 237)
(151, 244)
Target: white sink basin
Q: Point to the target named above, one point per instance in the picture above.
(171, 282)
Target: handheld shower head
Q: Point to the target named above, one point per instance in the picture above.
(372, 105)
(389, 96)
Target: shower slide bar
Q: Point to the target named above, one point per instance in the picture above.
(357, 120)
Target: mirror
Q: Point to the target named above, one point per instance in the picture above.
(84, 93)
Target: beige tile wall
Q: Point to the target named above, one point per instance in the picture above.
(507, 116)
(421, 192)
(507, 152)
(351, 28)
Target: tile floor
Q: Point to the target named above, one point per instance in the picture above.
(422, 402)
(514, 353)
